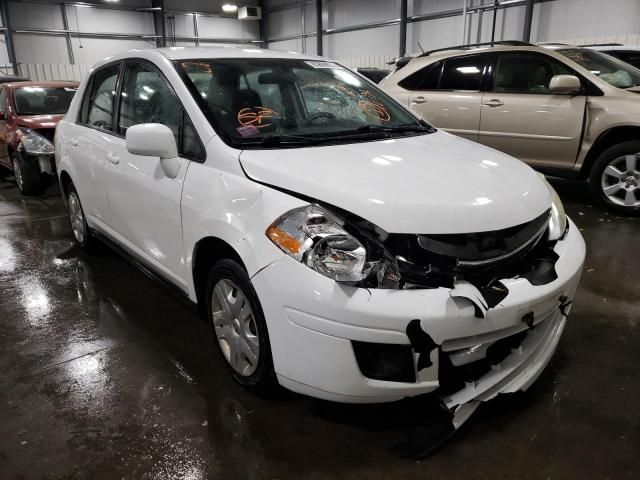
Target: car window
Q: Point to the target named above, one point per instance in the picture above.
(36, 100)
(191, 145)
(631, 57)
(613, 71)
(463, 73)
(147, 98)
(526, 73)
(100, 100)
(426, 78)
(293, 102)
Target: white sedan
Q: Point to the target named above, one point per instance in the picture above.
(353, 254)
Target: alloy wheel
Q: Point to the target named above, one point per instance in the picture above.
(76, 217)
(621, 181)
(235, 327)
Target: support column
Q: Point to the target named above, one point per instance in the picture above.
(319, 27)
(65, 25)
(8, 34)
(159, 23)
(403, 28)
(195, 29)
(528, 18)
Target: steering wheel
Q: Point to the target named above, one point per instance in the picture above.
(315, 116)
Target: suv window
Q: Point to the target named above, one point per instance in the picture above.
(426, 78)
(526, 73)
(100, 99)
(629, 56)
(147, 98)
(463, 73)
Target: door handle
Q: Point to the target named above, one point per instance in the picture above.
(494, 102)
(419, 99)
(113, 158)
(74, 142)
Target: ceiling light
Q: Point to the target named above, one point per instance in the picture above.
(112, 1)
(229, 8)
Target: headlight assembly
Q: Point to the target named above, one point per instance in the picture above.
(557, 219)
(33, 143)
(317, 238)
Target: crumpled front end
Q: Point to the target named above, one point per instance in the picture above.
(459, 341)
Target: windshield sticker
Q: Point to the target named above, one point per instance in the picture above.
(248, 131)
(315, 64)
(258, 117)
(375, 109)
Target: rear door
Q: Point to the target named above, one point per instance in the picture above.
(87, 143)
(450, 94)
(521, 117)
(143, 201)
(4, 157)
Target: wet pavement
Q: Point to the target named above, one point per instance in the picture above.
(105, 374)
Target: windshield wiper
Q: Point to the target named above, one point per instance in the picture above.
(276, 140)
(393, 129)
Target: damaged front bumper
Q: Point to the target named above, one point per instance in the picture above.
(317, 328)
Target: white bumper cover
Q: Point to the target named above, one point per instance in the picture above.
(312, 321)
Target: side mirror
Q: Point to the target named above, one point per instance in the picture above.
(565, 85)
(155, 140)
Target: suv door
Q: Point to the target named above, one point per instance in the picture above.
(144, 202)
(521, 117)
(87, 142)
(449, 93)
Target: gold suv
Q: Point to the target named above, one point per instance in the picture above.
(567, 111)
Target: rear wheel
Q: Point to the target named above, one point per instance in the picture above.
(27, 174)
(77, 219)
(234, 311)
(615, 178)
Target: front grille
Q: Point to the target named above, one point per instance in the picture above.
(436, 260)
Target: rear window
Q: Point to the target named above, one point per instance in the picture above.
(43, 100)
(463, 73)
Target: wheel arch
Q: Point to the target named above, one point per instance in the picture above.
(65, 181)
(605, 140)
(206, 252)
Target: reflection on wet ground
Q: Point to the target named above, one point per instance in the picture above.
(105, 374)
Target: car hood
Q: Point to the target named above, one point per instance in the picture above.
(39, 121)
(435, 183)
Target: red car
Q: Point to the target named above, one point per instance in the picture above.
(29, 114)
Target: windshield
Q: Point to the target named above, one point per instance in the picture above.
(43, 100)
(263, 103)
(609, 69)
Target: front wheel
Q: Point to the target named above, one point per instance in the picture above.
(239, 327)
(27, 174)
(615, 178)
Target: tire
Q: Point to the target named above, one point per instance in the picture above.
(79, 228)
(240, 330)
(614, 180)
(27, 174)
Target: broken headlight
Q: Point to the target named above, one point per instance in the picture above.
(317, 238)
(557, 218)
(33, 143)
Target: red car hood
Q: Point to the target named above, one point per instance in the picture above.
(39, 121)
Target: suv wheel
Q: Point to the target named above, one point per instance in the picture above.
(27, 175)
(78, 222)
(234, 312)
(615, 177)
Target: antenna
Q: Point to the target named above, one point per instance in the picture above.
(420, 47)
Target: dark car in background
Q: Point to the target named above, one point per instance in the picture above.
(373, 73)
(29, 114)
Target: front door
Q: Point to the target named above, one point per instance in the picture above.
(450, 96)
(144, 202)
(521, 117)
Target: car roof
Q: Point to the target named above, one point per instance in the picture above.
(228, 51)
(608, 48)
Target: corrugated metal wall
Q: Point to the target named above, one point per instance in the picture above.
(53, 71)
